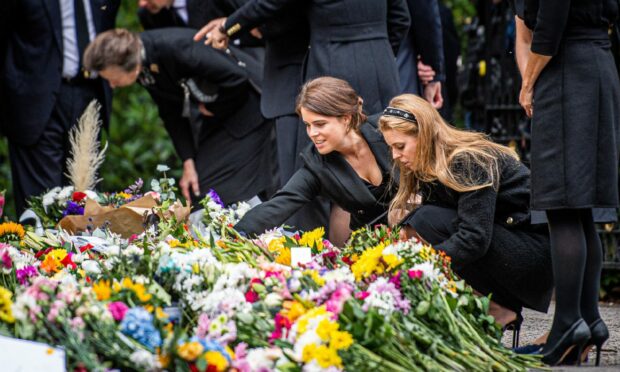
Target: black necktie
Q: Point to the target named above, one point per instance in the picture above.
(81, 28)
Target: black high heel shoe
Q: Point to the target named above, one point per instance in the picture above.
(515, 327)
(599, 334)
(575, 337)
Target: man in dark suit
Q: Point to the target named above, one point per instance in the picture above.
(423, 42)
(286, 37)
(43, 86)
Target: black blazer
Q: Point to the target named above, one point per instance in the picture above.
(478, 211)
(332, 177)
(349, 39)
(31, 70)
(171, 57)
(199, 13)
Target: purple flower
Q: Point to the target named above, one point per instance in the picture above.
(73, 208)
(215, 197)
(2, 200)
(135, 188)
(26, 272)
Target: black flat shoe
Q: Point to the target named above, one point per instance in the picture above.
(575, 337)
(598, 335)
(515, 327)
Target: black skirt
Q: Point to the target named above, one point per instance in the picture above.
(575, 129)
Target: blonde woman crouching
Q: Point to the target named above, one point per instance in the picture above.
(473, 203)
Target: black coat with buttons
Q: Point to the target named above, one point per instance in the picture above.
(330, 176)
(478, 211)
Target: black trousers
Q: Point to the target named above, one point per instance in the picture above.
(436, 224)
(41, 166)
(291, 139)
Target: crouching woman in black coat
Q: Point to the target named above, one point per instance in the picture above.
(473, 203)
(207, 102)
(348, 161)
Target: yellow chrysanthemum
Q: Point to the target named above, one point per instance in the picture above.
(284, 256)
(370, 262)
(58, 254)
(276, 244)
(190, 350)
(11, 231)
(326, 328)
(102, 290)
(217, 360)
(313, 238)
(6, 304)
(308, 353)
(392, 261)
(141, 292)
(327, 357)
(302, 323)
(295, 311)
(340, 340)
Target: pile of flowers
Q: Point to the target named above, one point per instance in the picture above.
(171, 299)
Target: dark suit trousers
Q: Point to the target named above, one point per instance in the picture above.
(435, 225)
(41, 166)
(291, 140)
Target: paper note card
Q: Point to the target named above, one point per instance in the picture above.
(29, 356)
(300, 255)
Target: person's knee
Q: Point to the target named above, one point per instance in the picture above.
(432, 224)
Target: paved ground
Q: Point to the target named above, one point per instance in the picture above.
(536, 324)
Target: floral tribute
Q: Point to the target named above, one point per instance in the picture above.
(174, 299)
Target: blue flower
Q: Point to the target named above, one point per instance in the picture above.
(138, 324)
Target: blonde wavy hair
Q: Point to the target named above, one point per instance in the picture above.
(461, 160)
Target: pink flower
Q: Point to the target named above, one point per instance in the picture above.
(118, 310)
(1, 203)
(362, 295)
(7, 263)
(415, 274)
(203, 326)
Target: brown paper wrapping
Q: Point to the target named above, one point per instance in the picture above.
(125, 220)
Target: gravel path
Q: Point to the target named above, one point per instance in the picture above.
(536, 324)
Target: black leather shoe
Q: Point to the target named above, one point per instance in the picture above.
(575, 337)
(599, 334)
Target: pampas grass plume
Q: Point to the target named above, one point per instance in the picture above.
(85, 155)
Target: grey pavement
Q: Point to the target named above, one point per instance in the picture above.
(536, 324)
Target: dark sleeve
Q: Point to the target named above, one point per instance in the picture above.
(476, 215)
(253, 14)
(428, 36)
(301, 189)
(199, 60)
(398, 21)
(176, 125)
(550, 25)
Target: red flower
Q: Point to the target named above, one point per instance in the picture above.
(251, 296)
(86, 247)
(78, 196)
(193, 368)
(41, 253)
(133, 237)
(347, 260)
(212, 368)
(67, 261)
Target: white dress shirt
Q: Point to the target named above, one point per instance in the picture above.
(71, 58)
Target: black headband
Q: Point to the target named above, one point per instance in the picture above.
(398, 113)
